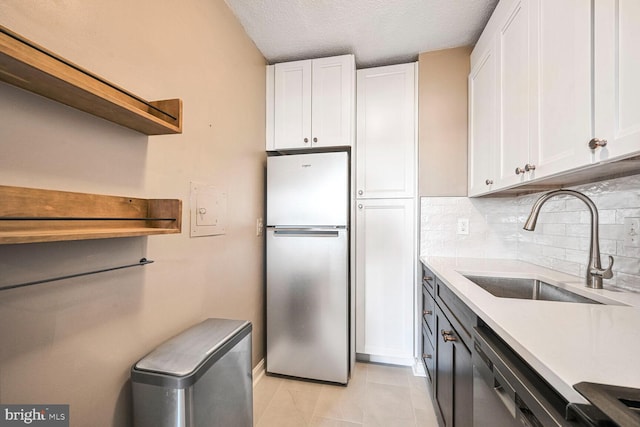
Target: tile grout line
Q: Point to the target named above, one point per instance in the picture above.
(266, 407)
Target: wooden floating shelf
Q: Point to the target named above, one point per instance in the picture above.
(32, 67)
(29, 215)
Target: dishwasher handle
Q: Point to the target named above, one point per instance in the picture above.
(505, 392)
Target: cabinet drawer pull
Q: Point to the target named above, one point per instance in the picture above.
(315, 139)
(427, 278)
(306, 140)
(426, 356)
(519, 170)
(488, 181)
(447, 336)
(427, 312)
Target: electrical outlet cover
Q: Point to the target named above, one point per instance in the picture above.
(632, 232)
(463, 225)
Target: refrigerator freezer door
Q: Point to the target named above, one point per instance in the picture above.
(307, 304)
(308, 189)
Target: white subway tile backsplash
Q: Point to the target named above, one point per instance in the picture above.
(576, 256)
(625, 265)
(555, 229)
(553, 252)
(566, 266)
(608, 216)
(621, 214)
(627, 251)
(578, 230)
(560, 240)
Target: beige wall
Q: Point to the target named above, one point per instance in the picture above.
(443, 122)
(74, 341)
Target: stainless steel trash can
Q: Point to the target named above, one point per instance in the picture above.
(201, 377)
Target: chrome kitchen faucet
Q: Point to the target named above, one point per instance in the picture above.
(595, 272)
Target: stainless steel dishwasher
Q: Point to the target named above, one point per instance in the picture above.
(201, 377)
(507, 392)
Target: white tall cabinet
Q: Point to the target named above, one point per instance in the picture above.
(386, 131)
(311, 103)
(386, 157)
(385, 274)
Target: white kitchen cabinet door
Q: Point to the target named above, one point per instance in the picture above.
(332, 100)
(385, 275)
(482, 123)
(561, 62)
(514, 106)
(617, 77)
(292, 105)
(386, 132)
(313, 103)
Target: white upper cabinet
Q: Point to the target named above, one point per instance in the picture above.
(311, 103)
(567, 73)
(514, 97)
(617, 77)
(482, 123)
(386, 137)
(561, 62)
(292, 105)
(332, 101)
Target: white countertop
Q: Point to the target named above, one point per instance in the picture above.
(566, 343)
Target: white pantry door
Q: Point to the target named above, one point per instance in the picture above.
(385, 274)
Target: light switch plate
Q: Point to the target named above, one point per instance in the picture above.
(208, 210)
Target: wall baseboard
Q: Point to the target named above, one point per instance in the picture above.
(387, 360)
(258, 372)
(418, 369)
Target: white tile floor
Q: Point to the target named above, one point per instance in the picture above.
(377, 395)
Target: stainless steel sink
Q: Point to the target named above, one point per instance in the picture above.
(508, 287)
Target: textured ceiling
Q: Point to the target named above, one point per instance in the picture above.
(377, 32)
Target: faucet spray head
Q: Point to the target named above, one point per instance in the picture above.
(530, 224)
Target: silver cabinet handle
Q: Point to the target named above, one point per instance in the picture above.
(597, 142)
(360, 192)
(426, 312)
(489, 181)
(527, 168)
(306, 140)
(426, 356)
(315, 139)
(359, 206)
(427, 278)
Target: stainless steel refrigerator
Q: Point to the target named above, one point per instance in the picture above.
(308, 266)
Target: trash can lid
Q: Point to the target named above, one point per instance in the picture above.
(181, 355)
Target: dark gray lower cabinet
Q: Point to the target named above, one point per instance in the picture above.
(446, 357)
(453, 376)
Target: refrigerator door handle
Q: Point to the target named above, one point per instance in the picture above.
(306, 232)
